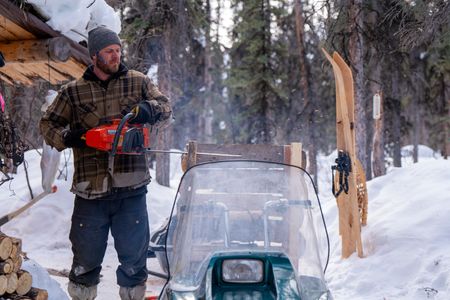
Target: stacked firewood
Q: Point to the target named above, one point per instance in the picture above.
(15, 283)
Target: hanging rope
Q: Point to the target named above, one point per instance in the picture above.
(343, 167)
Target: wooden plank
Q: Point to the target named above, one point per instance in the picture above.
(15, 75)
(26, 21)
(59, 72)
(355, 217)
(349, 217)
(247, 151)
(71, 68)
(6, 78)
(192, 154)
(344, 229)
(296, 154)
(349, 108)
(10, 31)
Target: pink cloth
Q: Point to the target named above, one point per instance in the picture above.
(2, 102)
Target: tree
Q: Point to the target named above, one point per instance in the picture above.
(254, 92)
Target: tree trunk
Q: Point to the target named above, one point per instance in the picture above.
(418, 98)
(416, 127)
(305, 87)
(165, 136)
(445, 150)
(396, 120)
(355, 48)
(207, 113)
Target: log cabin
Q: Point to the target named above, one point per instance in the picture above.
(33, 50)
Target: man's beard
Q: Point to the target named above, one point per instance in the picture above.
(107, 69)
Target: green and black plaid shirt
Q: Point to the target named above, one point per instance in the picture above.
(87, 103)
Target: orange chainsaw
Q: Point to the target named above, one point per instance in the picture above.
(119, 137)
(129, 139)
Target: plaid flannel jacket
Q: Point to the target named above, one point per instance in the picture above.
(87, 103)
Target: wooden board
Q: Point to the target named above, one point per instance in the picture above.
(10, 31)
(349, 217)
(272, 153)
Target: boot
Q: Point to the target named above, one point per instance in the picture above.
(132, 293)
(82, 292)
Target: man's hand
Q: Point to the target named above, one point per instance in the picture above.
(146, 112)
(74, 138)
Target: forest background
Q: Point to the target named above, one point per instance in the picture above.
(252, 71)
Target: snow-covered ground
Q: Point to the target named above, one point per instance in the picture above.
(407, 239)
(44, 228)
(406, 242)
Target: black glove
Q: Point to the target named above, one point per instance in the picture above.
(74, 138)
(145, 112)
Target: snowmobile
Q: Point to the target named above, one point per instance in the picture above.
(243, 229)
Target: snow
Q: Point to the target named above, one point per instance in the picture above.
(74, 19)
(406, 242)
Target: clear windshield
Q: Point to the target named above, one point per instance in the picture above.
(239, 206)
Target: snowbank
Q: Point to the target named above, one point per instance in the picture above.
(406, 242)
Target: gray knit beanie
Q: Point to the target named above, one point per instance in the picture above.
(101, 37)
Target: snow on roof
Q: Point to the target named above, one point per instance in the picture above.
(74, 19)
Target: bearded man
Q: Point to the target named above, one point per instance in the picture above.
(104, 200)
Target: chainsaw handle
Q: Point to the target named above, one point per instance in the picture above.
(122, 123)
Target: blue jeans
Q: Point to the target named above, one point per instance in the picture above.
(125, 214)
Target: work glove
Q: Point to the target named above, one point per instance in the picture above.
(146, 112)
(74, 138)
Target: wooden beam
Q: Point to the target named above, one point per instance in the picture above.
(39, 29)
(26, 20)
(272, 153)
(6, 78)
(15, 75)
(35, 51)
(72, 68)
(10, 31)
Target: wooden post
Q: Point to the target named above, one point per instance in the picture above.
(192, 154)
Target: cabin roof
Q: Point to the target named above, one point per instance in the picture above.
(33, 50)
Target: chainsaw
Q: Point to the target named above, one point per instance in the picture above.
(123, 138)
(119, 137)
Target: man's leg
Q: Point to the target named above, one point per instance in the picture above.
(130, 230)
(89, 235)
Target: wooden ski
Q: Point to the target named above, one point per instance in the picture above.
(8, 217)
(347, 201)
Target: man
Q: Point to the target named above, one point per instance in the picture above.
(105, 201)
